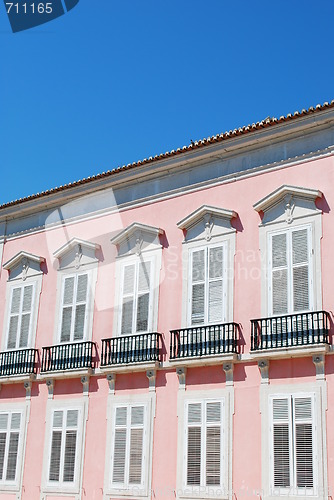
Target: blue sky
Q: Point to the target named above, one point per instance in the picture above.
(112, 82)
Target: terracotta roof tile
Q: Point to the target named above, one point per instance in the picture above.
(267, 122)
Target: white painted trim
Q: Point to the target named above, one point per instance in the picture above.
(69, 245)
(149, 400)
(19, 256)
(201, 212)
(130, 230)
(285, 190)
(75, 489)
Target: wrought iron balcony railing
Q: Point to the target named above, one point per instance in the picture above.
(294, 330)
(67, 356)
(21, 362)
(204, 341)
(139, 348)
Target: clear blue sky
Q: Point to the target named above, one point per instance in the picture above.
(112, 82)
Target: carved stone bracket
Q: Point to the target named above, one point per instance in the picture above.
(28, 385)
(139, 242)
(228, 369)
(78, 256)
(264, 370)
(25, 268)
(319, 363)
(50, 384)
(85, 385)
(181, 373)
(111, 378)
(151, 375)
(208, 226)
(289, 208)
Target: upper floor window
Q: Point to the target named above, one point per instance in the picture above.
(76, 285)
(290, 233)
(208, 258)
(137, 279)
(23, 290)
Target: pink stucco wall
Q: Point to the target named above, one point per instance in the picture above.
(238, 196)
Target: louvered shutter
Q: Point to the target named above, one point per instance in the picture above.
(80, 308)
(136, 445)
(279, 276)
(68, 296)
(303, 421)
(194, 443)
(13, 446)
(15, 307)
(213, 443)
(143, 296)
(26, 315)
(54, 470)
(300, 265)
(70, 445)
(120, 439)
(3, 440)
(281, 438)
(128, 299)
(215, 285)
(198, 287)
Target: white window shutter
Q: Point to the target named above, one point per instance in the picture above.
(81, 305)
(128, 299)
(136, 445)
(300, 263)
(279, 273)
(15, 308)
(143, 296)
(3, 439)
(194, 444)
(26, 315)
(303, 413)
(120, 441)
(216, 290)
(68, 297)
(213, 443)
(56, 442)
(198, 287)
(281, 438)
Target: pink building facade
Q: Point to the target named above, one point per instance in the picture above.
(167, 327)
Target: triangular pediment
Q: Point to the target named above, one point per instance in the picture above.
(23, 265)
(284, 192)
(76, 253)
(137, 238)
(207, 222)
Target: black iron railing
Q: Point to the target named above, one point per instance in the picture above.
(139, 348)
(204, 341)
(20, 362)
(290, 331)
(67, 356)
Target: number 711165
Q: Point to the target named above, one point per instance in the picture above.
(29, 8)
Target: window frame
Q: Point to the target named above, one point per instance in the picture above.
(148, 400)
(24, 409)
(59, 487)
(317, 391)
(226, 396)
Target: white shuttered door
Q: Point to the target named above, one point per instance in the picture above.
(208, 277)
(203, 456)
(290, 284)
(21, 304)
(136, 297)
(293, 447)
(74, 307)
(128, 450)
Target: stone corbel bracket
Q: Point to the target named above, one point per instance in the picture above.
(85, 385)
(319, 363)
(151, 375)
(111, 379)
(181, 373)
(264, 370)
(28, 385)
(50, 384)
(228, 369)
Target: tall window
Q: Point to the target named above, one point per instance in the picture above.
(20, 316)
(293, 444)
(204, 435)
(290, 284)
(11, 424)
(207, 301)
(63, 451)
(136, 307)
(129, 442)
(74, 307)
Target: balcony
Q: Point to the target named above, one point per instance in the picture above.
(212, 341)
(131, 350)
(62, 357)
(300, 331)
(21, 362)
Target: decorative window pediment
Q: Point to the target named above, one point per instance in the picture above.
(137, 238)
(207, 222)
(288, 203)
(23, 265)
(76, 253)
